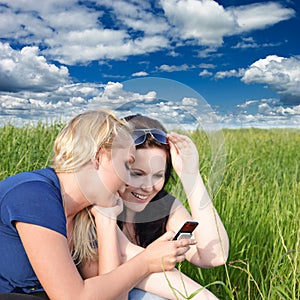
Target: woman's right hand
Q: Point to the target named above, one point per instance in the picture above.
(163, 254)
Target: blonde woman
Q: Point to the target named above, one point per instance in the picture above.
(149, 211)
(92, 159)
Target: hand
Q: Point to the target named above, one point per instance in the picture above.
(163, 254)
(184, 154)
(110, 212)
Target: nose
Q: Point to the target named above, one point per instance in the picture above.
(147, 185)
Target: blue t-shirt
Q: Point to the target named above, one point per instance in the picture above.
(30, 197)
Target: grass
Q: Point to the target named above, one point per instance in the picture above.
(258, 200)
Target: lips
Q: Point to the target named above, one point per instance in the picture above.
(139, 197)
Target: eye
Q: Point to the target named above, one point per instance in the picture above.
(127, 166)
(136, 173)
(159, 176)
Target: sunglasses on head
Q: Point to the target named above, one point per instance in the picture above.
(140, 135)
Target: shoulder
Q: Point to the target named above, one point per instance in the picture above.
(46, 175)
(32, 197)
(28, 185)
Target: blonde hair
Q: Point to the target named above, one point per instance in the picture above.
(83, 136)
(84, 237)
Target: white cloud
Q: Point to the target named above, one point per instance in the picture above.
(28, 70)
(140, 74)
(249, 42)
(137, 15)
(264, 113)
(173, 68)
(279, 73)
(260, 15)
(71, 32)
(205, 73)
(69, 100)
(206, 22)
(206, 66)
(230, 73)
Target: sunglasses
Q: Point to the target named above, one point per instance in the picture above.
(140, 135)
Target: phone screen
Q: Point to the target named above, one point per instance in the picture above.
(186, 230)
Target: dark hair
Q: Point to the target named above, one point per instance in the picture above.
(146, 232)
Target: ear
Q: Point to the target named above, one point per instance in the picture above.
(96, 160)
(95, 163)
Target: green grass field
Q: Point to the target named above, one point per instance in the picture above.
(258, 200)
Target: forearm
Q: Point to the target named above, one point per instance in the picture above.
(125, 277)
(108, 245)
(211, 236)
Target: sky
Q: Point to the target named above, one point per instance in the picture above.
(233, 64)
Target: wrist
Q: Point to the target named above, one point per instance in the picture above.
(144, 264)
(106, 220)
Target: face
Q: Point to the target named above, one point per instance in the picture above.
(114, 171)
(147, 178)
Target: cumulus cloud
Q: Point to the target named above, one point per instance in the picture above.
(279, 73)
(71, 32)
(264, 113)
(140, 74)
(206, 22)
(205, 73)
(230, 73)
(59, 104)
(28, 70)
(259, 15)
(186, 112)
(173, 68)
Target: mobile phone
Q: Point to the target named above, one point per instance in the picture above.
(185, 232)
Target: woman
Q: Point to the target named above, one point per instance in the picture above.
(92, 158)
(149, 211)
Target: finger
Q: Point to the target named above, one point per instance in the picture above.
(180, 258)
(185, 242)
(166, 236)
(182, 250)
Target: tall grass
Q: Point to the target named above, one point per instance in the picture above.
(258, 201)
(26, 148)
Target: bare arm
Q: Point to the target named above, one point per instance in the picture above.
(51, 260)
(108, 243)
(212, 240)
(158, 284)
(154, 283)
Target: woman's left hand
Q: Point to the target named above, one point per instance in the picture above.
(109, 212)
(185, 158)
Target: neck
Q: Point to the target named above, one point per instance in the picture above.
(73, 199)
(130, 214)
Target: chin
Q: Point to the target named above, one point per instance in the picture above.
(136, 207)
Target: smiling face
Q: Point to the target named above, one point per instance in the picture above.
(147, 178)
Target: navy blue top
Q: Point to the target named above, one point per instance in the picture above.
(30, 197)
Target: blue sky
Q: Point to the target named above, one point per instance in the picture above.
(234, 62)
